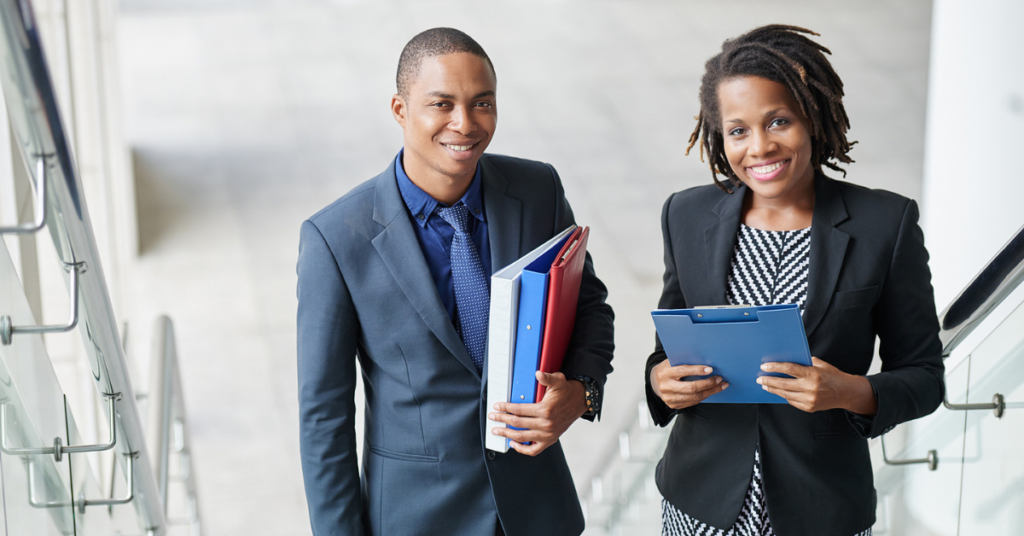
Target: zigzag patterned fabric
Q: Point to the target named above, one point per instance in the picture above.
(768, 267)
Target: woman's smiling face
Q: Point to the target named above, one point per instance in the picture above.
(766, 137)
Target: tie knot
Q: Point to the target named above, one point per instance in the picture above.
(457, 216)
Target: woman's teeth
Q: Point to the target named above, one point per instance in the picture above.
(764, 170)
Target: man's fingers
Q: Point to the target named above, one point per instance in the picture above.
(530, 450)
(525, 410)
(550, 379)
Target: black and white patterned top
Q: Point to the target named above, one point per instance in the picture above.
(768, 267)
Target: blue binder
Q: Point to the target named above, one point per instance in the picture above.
(533, 298)
(735, 341)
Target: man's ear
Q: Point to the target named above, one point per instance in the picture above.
(398, 109)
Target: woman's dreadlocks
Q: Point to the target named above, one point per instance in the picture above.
(781, 54)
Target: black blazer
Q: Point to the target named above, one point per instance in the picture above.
(868, 277)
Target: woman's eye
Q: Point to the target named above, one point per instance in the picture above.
(779, 122)
(736, 132)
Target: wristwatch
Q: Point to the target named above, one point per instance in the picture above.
(592, 392)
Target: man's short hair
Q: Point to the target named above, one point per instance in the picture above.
(429, 44)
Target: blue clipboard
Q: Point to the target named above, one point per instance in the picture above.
(735, 341)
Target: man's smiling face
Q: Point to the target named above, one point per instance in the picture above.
(448, 117)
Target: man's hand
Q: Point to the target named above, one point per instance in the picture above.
(677, 393)
(545, 421)
(819, 387)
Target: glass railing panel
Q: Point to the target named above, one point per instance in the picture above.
(623, 498)
(914, 500)
(92, 520)
(993, 481)
(34, 404)
(38, 130)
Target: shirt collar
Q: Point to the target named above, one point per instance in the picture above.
(421, 205)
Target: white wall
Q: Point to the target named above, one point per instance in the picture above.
(974, 146)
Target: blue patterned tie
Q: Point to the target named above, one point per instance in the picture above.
(472, 300)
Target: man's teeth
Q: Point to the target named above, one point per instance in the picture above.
(764, 170)
(459, 147)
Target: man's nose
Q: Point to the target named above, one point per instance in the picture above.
(462, 121)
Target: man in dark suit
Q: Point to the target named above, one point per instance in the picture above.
(395, 273)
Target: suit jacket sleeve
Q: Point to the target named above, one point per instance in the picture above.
(671, 298)
(593, 337)
(327, 334)
(910, 384)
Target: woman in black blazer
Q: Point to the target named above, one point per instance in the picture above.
(780, 231)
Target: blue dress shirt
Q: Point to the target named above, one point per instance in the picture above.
(435, 235)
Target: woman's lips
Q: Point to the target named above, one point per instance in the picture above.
(767, 172)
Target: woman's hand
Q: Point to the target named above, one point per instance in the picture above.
(819, 387)
(667, 383)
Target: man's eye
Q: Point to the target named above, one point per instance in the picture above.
(439, 104)
(484, 104)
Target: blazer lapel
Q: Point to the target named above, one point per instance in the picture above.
(828, 250)
(400, 249)
(719, 243)
(504, 217)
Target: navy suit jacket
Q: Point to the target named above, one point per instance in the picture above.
(365, 292)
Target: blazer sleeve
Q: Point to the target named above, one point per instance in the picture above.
(593, 337)
(327, 334)
(671, 298)
(911, 382)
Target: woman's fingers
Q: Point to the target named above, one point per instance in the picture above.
(694, 386)
(680, 400)
(681, 371)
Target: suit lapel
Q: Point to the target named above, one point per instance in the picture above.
(828, 250)
(504, 217)
(400, 249)
(719, 243)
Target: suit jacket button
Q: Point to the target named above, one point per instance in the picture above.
(490, 455)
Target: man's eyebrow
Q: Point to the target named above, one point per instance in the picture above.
(442, 95)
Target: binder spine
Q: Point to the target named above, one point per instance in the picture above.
(500, 347)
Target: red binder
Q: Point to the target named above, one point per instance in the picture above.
(563, 294)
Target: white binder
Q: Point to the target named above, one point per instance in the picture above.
(501, 335)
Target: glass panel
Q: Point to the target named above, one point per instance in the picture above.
(993, 482)
(912, 500)
(623, 498)
(95, 520)
(34, 403)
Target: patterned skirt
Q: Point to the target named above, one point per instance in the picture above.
(753, 519)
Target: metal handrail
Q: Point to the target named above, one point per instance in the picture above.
(39, 130)
(39, 220)
(8, 329)
(931, 458)
(82, 503)
(58, 450)
(167, 423)
(1000, 276)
